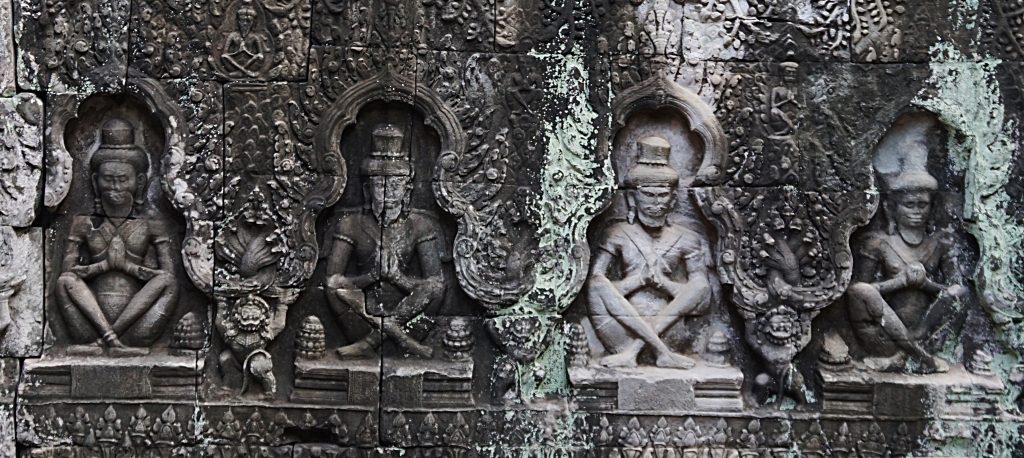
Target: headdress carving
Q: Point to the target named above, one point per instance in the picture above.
(117, 144)
(387, 157)
(652, 168)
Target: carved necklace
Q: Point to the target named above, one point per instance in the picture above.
(117, 227)
(909, 243)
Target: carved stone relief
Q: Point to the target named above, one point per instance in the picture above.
(652, 298)
(21, 300)
(67, 46)
(118, 285)
(646, 228)
(22, 152)
(242, 39)
(911, 295)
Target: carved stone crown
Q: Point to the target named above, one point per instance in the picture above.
(911, 180)
(117, 132)
(117, 144)
(652, 168)
(387, 157)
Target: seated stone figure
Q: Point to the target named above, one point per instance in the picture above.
(386, 259)
(905, 279)
(662, 265)
(117, 289)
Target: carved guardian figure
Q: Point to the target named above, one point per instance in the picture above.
(118, 288)
(662, 266)
(905, 278)
(376, 252)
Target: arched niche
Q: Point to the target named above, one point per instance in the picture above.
(660, 95)
(912, 164)
(74, 135)
(143, 100)
(386, 87)
(657, 115)
(429, 130)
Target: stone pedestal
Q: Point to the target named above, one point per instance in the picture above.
(415, 382)
(703, 388)
(145, 377)
(955, 393)
(330, 380)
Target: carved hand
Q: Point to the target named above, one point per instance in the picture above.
(915, 275)
(83, 272)
(388, 267)
(145, 274)
(115, 254)
(956, 291)
(647, 276)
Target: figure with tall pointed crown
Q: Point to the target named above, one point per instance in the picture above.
(385, 264)
(905, 279)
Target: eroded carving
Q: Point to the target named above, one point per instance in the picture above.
(21, 147)
(241, 39)
(907, 280)
(909, 272)
(71, 46)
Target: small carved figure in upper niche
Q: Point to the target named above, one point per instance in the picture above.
(784, 102)
(118, 287)
(245, 51)
(906, 279)
(386, 259)
(662, 264)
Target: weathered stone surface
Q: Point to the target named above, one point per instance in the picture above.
(71, 46)
(727, 228)
(240, 40)
(21, 291)
(7, 68)
(9, 368)
(21, 137)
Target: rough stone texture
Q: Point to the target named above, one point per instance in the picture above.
(655, 228)
(21, 262)
(7, 67)
(22, 143)
(71, 46)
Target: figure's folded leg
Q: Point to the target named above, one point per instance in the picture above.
(82, 315)
(619, 308)
(143, 319)
(343, 300)
(869, 309)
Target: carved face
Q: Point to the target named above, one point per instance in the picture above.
(912, 208)
(655, 201)
(789, 74)
(116, 183)
(780, 327)
(388, 195)
(245, 20)
(250, 317)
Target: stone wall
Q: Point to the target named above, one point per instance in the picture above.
(644, 228)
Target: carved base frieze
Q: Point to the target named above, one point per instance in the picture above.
(957, 393)
(144, 377)
(412, 383)
(350, 382)
(703, 388)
